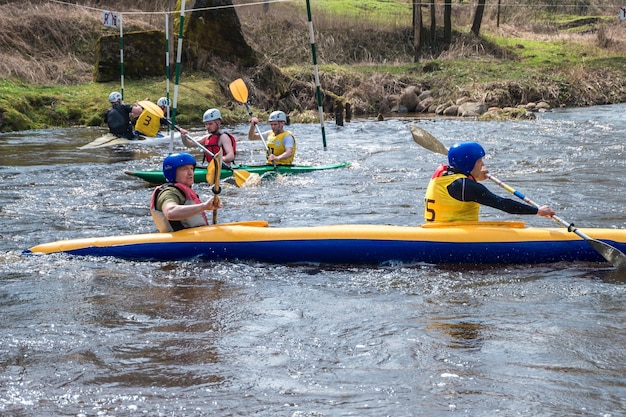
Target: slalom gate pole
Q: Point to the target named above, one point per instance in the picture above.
(179, 52)
(121, 57)
(167, 63)
(318, 90)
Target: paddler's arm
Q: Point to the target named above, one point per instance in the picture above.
(287, 154)
(252, 133)
(173, 211)
(468, 190)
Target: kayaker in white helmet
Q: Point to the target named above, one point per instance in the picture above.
(118, 117)
(216, 138)
(281, 143)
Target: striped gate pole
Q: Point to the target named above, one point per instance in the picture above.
(121, 56)
(167, 63)
(179, 53)
(318, 90)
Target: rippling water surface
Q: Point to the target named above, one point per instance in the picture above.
(106, 337)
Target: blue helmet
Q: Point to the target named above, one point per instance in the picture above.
(174, 161)
(463, 156)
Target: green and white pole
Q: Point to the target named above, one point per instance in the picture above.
(167, 63)
(318, 90)
(121, 56)
(179, 53)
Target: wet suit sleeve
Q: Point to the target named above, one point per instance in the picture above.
(465, 189)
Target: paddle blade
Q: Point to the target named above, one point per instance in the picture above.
(216, 171)
(210, 173)
(151, 108)
(428, 141)
(252, 180)
(613, 255)
(239, 90)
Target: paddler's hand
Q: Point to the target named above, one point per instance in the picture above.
(545, 211)
(210, 204)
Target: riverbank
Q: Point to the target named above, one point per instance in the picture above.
(581, 64)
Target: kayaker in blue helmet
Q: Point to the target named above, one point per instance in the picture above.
(174, 205)
(454, 194)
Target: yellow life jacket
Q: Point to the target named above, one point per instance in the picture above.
(440, 206)
(277, 147)
(148, 124)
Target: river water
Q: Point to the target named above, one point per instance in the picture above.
(106, 337)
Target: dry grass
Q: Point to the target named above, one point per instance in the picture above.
(46, 43)
(43, 42)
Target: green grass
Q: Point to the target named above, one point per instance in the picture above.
(28, 106)
(373, 11)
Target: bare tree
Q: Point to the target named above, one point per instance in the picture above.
(478, 17)
(433, 23)
(447, 22)
(417, 29)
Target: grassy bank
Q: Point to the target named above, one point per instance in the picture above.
(567, 59)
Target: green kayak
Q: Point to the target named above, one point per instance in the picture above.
(155, 176)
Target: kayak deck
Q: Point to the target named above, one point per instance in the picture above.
(110, 139)
(155, 176)
(356, 244)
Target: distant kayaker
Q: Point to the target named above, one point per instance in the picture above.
(164, 104)
(118, 117)
(280, 143)
(454, 194)
(146, 122)
(174, 205)
(216, 139)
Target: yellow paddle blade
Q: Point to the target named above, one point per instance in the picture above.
(239, 90)
(151, 108)
(217, 172)
(246, 179)
(216, 163)
(210, 173)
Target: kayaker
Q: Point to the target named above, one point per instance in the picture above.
(164, 104)
(454, 194)
(280, 143)
(146, 122)
(174, 205)
(118, 117)
(216, 138)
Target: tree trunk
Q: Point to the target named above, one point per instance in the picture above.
(433, 24)
(478, 17)
(215, 32)
(447, 22)
(417, 29)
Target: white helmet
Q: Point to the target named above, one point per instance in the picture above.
(163, 101)
(114, 97)
(278, 116)
(210, 115)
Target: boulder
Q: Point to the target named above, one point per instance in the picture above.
(143, 56)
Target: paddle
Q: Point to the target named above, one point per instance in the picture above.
(240, 92)
(214, 171)
(613, 255)
(241, 176)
